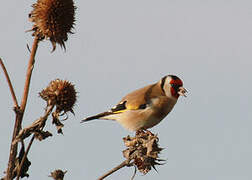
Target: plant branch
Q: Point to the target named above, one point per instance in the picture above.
(29, 74)
(19, 114)
(25, 155)
(41, 121)
(9, 83)
(36, 126)
(134, 174)
(123, 164)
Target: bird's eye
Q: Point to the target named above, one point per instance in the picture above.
(175, 86)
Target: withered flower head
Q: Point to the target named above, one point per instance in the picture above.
(143, 150)
(53, 19)
(60, 93)
(58, 174)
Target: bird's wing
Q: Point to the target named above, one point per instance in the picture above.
(138, 99)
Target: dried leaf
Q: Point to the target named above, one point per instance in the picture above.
(26, 164)
(41, 135)
(57, 123)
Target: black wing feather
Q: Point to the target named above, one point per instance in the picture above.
(97, 116)
(118, 107)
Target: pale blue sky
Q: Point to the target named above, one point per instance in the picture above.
(121, 45)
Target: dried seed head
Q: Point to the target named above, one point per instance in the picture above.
(53, 19)
(58, 174)
(60, 93)
(143, 149)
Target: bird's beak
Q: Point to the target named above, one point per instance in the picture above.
(182, 91)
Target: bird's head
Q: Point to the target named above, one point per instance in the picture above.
(173, 86)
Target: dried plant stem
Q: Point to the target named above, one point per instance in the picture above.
(134, 174)
(25, 155)
(123, 164)
(29, 74)
(9, 83)
(44, 118)
(20, 112)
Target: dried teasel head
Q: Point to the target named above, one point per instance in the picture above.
(60, 93)
(53, 20)
(143, 150)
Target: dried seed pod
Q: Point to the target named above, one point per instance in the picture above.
(60, 93)
(53, 20)
(143, 150)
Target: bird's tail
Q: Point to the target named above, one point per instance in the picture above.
(98, 116)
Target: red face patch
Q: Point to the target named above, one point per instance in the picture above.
(175, 84)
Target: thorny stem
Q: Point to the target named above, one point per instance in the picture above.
(47, 113)
(19, 114)
(9, 83)
(123, 164)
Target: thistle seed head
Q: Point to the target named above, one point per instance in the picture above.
(53, 20)
(60, 93)
(143, 150)
(58, 174)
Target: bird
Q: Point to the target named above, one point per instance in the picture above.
(145, 107)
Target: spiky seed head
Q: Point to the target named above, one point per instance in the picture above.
(58, 174)
(53, 20)
(60, 93)
(143, 150)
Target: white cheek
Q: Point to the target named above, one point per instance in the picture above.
(167, 87)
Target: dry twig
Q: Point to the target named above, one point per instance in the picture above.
(123, 164)
(9, 84)
(19, 114)
(24, 158)
(36, 127)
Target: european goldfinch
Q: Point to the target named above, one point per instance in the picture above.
(145, 107)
